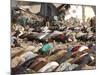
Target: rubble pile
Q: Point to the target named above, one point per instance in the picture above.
(58, 46)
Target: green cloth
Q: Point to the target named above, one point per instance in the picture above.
(46, 48)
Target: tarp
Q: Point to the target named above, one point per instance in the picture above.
(48, 9)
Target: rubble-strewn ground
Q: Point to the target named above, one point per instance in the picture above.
(62, 46)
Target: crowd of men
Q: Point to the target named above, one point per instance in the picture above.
(45, 42)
